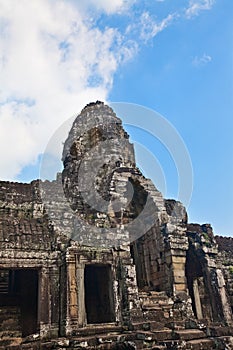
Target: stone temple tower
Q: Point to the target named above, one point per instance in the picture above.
(98, 180)
(96, 150)
(101, 181)
(121, 223)
(99, 255)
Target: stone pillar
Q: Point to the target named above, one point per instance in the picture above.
(128, 291)
(55, 295)
(178, 266)
(81, 295)
(225, 302)
(44, 311)
(72, 298)
(215, 282)
(178, 244)
(197, 299)
(63, 297)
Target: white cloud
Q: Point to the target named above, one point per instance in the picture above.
(201, 60)
(15, 140)
(52, 62)
(54, 59)
(149, 28)
(113, 6)
(195, 6)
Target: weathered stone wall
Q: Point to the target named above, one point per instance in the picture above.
(101, 214)
(28, 242)
(124, 290)
(225, 258)
(23, 223)
(160, 254)
(206, 281)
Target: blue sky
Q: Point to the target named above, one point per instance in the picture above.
(172, 56)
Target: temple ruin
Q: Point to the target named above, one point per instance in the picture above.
(98, 259)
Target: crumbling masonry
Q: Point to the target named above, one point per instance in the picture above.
(82, 266)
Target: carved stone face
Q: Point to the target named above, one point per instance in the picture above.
(97, 147)
(101, 183)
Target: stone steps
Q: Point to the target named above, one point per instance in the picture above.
(148, 299)
(220, 331)
(10, 342)
(128, 341)
(142, 336)
(176, 324)
(9, 324)
(10, 329)
(189, 334)
(98, 329)
(156, 306)
(197, 344)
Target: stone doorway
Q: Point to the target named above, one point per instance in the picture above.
(99, 294)
(19, 292)
(196, 282)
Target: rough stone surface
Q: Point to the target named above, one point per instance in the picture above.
(134, 275)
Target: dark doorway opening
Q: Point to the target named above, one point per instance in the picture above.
(99, 294)
(19, 294)
(193, 271)
(196, 281)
